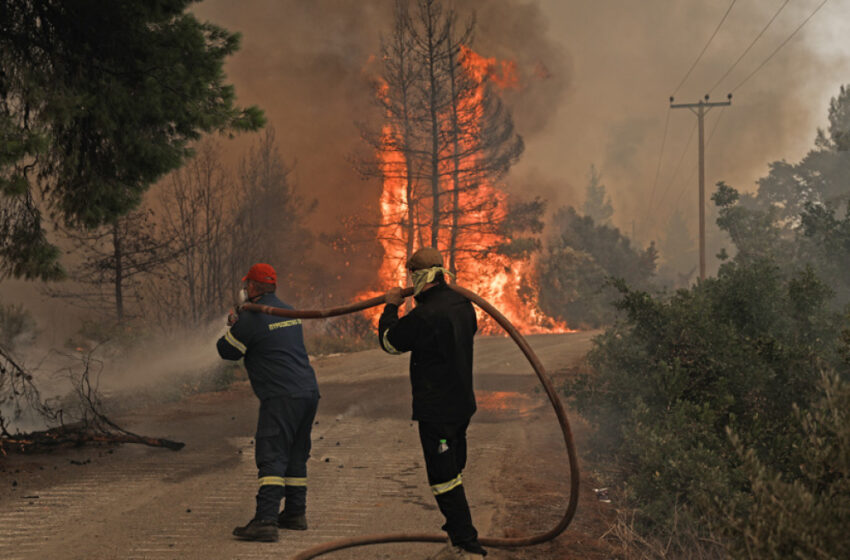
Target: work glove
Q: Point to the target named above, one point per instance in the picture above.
(232, 317)
(393, 296)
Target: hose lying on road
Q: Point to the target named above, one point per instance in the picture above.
(541, 374)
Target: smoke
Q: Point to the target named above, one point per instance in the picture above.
(303, 63)
(164, 361)
(595, 82)
(629, 57)
(122, 372)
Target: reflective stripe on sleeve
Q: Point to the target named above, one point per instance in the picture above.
(438, 489)
(233, 342)
(271, 481)
(283, 324)
(389, 347)
(296, 481)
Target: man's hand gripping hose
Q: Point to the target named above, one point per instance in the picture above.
(496, 542)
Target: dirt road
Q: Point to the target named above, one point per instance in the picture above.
(366, 474)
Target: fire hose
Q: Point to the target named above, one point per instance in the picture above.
(496, 542)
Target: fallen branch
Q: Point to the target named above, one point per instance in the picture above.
(76, 435)
(94, 426)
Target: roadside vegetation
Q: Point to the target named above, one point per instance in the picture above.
(721, 409)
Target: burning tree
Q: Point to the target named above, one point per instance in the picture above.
(397, 143)
(445, 143)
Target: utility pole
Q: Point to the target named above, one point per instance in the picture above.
(700, 109)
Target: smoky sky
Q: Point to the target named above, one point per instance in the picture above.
(595, 78)
(629, 57)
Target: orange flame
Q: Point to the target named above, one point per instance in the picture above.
(510, 285)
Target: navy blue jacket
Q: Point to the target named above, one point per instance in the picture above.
(439, 333)
(274, 352)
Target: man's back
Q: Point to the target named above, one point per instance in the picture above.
(439, 332)
(274, 352)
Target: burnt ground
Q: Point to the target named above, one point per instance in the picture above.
(366, 474)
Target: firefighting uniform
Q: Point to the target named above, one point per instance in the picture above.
(439, 332)
(283, 379)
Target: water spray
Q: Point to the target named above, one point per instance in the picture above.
(496, 542)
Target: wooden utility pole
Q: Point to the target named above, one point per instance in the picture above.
(700, 110)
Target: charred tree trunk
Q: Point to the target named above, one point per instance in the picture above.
(455, 135)
(406, 70)
(430, 17)
(118, 260)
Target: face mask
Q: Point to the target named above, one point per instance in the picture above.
(243, 295)
(425, 276)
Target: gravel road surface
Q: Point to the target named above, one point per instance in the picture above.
(366, 474)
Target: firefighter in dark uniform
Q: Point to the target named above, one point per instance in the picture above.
(439, 333)
(282, 378)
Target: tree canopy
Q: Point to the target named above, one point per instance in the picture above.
(800, 215)
(580, 257)
(98, 100)
(597, 204)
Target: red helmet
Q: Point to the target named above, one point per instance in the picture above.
(263, 273)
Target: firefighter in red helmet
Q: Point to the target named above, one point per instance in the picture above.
(283, 379)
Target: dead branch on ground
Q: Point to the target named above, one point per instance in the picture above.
(18, 394)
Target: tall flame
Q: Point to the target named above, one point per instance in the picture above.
(509, 284)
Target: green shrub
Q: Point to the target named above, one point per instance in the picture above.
(804, 512)
(675, 372)
(578, 261)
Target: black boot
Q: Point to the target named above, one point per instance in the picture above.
(263, 530)
(296, 522)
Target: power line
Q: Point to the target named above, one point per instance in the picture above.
(714, 128)
(805, 21)
(710, 39)
(667, 119)
(658, 167)
(678, 165)
(743, 54)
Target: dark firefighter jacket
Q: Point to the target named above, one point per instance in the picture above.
(438, 332)
(274, 352)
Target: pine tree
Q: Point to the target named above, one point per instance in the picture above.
(98, 100)
(115, 260)
(596, 204)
